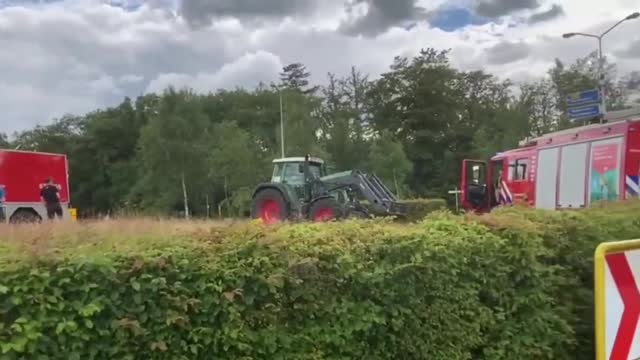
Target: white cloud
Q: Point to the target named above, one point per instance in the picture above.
(247, 71)
(77, 55)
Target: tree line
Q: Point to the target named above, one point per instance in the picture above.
(201, 154)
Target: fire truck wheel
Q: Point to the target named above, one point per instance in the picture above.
(24, 216)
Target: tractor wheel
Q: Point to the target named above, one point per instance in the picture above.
(269, 205)
(326, 209)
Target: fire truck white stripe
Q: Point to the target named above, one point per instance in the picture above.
(633, 186)
(506, 189)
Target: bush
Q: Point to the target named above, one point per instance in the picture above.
(418, 209)
(570, 238)
(515, 284)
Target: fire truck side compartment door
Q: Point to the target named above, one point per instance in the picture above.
(573, 172)
(546, 178)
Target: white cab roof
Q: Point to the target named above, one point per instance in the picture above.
(298, 159)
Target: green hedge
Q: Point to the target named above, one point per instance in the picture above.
(419, 208)
(570, 239)
(515, 284)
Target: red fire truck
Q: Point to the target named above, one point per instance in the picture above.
(22, 173)
(568, 169)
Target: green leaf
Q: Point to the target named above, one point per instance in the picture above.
(135, 285)
(90, 309)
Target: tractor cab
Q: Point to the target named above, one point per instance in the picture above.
(291, 170)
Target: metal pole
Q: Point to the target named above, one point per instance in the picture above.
(603, 92)
(457, 201)
(281, 124)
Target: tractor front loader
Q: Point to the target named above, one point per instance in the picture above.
(300, 189)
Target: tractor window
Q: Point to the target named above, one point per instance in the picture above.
(315, 170)
(292, 174)
(518, 169)
(276, 177)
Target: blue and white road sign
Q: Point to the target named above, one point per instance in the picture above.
(584, 112)
(587, 97)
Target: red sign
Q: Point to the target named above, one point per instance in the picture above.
(628, 289)
(604, 157)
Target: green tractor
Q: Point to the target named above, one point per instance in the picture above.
(301, 189)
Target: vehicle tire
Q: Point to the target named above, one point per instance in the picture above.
(325, 209)
(270, 206)
(25, 216)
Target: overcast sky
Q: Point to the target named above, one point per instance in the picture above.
(74, 56)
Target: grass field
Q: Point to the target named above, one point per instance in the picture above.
(47, 238)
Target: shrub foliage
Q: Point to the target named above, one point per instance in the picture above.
(419, 208)
(516, 284)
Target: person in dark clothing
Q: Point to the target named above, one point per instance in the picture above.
(2, 200)
(50, 196)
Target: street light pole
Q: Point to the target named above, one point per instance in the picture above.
(281, 123)
(601, 73)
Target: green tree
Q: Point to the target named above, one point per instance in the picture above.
(389, 162)
(103, 160)
(4, 141)
(295, 76)
(58, 137)
(342, 129)
(301, 125)
(538, 100)
(414, 102)
(173, 154)
(235, 165)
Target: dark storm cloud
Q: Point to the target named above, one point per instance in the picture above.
(383, 15)
(498, 8)
(201, 12)
(507, 52)
(380, 16)
(555, 11)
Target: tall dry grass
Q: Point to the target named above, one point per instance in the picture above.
(47, 237)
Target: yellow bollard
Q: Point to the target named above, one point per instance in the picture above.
(73, 213)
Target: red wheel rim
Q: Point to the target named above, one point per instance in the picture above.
(324, 214)
(270, 211)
